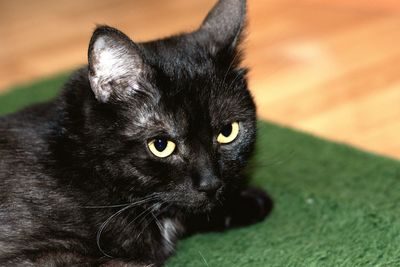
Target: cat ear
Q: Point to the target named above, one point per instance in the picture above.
(224, 23)
(115, 64)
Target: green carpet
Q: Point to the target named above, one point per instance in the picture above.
(334, 205)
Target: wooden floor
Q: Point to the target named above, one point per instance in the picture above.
(331, 68)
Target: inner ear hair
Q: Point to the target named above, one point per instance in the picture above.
(115, 64)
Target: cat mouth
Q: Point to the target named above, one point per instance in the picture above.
(198, 204)
(197, 208)
(194, 200)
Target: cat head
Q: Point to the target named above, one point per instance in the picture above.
(179, 118)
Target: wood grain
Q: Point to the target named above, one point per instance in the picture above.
(326, 67)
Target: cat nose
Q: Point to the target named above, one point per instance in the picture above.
(209, 184)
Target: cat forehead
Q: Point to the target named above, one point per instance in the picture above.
(190, 107)
(178, 56)
(153, 120)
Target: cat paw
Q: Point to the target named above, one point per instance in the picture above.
(251, 206)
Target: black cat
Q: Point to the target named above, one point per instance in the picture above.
(144, 145)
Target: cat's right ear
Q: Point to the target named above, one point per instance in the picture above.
(223, 27)
(116, 66)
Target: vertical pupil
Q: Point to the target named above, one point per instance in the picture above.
(227, 130)
(160, 144)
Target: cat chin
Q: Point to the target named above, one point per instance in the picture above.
(196, 208)
(205, 208)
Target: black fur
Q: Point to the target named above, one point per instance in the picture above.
(78, 185)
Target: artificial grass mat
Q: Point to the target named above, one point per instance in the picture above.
(333, 205)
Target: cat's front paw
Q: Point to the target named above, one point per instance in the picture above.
(251, 206)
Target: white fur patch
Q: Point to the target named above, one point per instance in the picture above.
(169, 232)
(113, 61)
(110, 59)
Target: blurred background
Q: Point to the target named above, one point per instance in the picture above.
(330, 68)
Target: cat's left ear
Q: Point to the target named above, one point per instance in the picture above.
(116, 66)
(224, 24)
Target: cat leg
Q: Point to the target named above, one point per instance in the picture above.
(248, 206)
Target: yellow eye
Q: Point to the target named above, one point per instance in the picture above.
(228, 133)
(161, 147)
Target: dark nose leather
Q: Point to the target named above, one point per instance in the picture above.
(205, 178)
(209, 184)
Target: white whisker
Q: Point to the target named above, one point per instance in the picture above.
(150, 221)
(105, 223)
(227, 71)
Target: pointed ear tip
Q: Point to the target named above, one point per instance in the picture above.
(223, 7)
(102, 30)
(105, 30)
